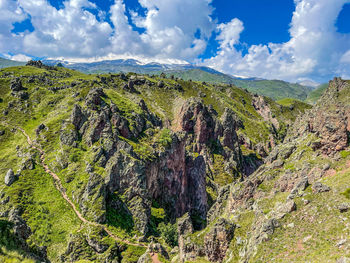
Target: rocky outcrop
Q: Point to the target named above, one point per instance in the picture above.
(16, 85)
(194, 117)
(329, 120)
(218, 239)
(212, 134)
(263, 108)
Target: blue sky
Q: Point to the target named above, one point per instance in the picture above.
(275, 39)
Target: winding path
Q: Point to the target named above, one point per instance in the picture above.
(61, 189)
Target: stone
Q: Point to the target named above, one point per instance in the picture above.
(291, 225)
(285, 208)
(161, 84)
(40, 128)
(145, 258)
(344, 207)
(20, 228)
(299, 187)
(95, 243)
(320, 188)
(10, 177)
(268, 229)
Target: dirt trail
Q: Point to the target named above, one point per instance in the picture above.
(154, 257)
(61, 189)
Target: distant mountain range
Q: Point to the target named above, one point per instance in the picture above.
(275, 89)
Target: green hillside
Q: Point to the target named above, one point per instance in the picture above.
(5, 63)
(314, 95)
(275, 89)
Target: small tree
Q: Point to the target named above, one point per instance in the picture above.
(169, 233)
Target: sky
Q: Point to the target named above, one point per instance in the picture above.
(273, 39)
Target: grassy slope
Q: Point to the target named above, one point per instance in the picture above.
(274, 89)
(314, 95)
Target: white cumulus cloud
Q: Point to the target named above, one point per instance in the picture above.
(314, 50)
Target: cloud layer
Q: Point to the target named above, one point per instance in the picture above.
(177, 29)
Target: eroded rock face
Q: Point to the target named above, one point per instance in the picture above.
(178, 181)
(195, 118)
(329, 120)
(209, 133)
(217, 241)
(262, 107)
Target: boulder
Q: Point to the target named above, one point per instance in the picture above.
(10, 177)
(285, 208)
(16, 85)
(320, 188)
(40, 128)
(299, 187)
(344, 207)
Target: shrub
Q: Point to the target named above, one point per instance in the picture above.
(169, 233)
(347, 193)
(165, 138)
(344, 154)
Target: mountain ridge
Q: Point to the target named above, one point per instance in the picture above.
(276, 89)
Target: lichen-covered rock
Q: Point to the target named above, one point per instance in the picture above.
(93, 100)
(20, 228)
(285, 208)
(68, 135)
(320, 188)
(299, 187)
(217, 240)
(16, 85)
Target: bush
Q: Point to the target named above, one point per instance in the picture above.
(344, 154)
(165, 138)
(347, 193)
(169, 233)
